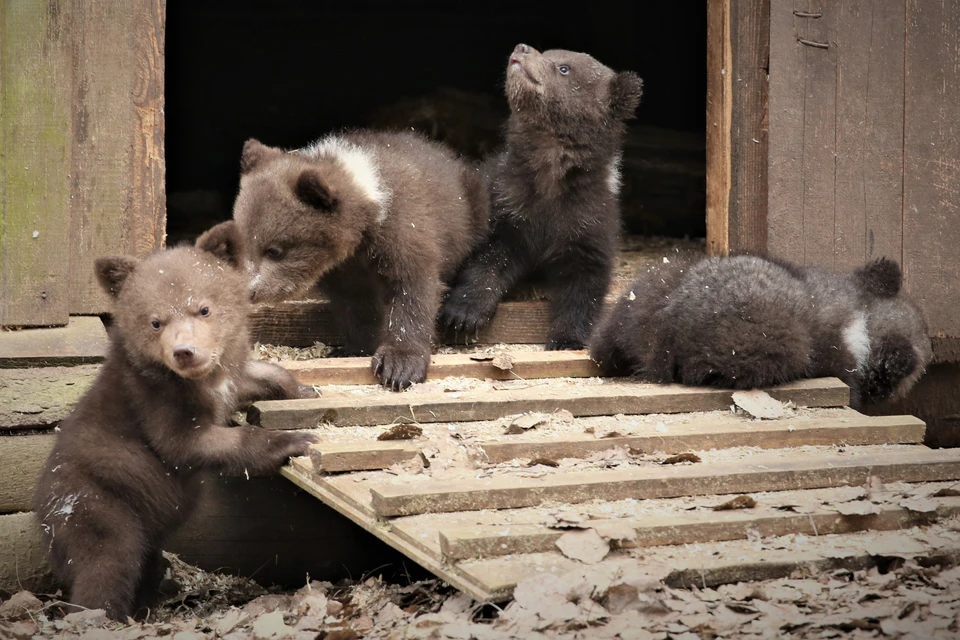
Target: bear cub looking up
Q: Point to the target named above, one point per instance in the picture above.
(385, 219)
(746, 322)
(126, 468)
(555, 193)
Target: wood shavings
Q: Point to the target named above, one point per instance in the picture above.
(682, 457)
(584, 545)
(759, 404)
(740, 502)
(920, 505)
(402, 432)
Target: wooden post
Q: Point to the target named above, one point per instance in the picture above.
(738, 45)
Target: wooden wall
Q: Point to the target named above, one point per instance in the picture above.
(81, 169)
(864, 147)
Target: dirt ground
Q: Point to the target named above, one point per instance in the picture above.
(901, 599)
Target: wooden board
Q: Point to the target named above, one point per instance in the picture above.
(931, 172)
(526, 365)
(117, 186)
(763, 472)
(712, 432)
(23, 556)
(35, 129)
(737, 67)
(41, 397)
(332, 458)
(466, 542)
(592, 400)
(21, 458)
(82, 341)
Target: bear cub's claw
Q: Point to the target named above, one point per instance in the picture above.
(398, 367)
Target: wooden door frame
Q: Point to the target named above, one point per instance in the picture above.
(738, 56)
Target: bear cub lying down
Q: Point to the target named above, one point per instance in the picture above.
(746, 321)
(126, 468)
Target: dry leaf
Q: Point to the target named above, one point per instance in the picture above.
(401, 432)
(522, 423)
(547, 462)
(611, 434)
(614, 530)
(857, 508)
(503, 361)
(683, 457)
(562, 415)
(740, 502)
(947, 492)
(482, 358)
(921, 505)
(585, 545)
(759, 404)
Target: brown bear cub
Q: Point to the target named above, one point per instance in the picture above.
(127, 465)
(555, 208)
(746, 322)
(379, 220)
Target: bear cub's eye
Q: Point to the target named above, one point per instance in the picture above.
(273, 253)
(205, 311)
(564, 69)
(155, 324)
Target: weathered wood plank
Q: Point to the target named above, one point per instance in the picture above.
(21, 458)
(41, 397)
(931, 180)
(593, 400)
(360, 456)
(461, 543)
(82, 341)
(714, 433)
(23, 556)
(35, 129)
(763, 472)
(738, 36)
(525, 365)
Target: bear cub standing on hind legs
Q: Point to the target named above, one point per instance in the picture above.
(555, 209)
(126, 468)
(379, 220)
(746, 322)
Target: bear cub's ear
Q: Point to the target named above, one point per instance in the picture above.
(625, 91)
(113, 271)
(224, 241)
(881, 278)
(254, 154)
(312, 190)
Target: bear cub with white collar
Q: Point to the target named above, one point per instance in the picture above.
(380, 221)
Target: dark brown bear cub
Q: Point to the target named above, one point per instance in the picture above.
(125, 470)
(747, 321)
(555, 208)
(385, 219)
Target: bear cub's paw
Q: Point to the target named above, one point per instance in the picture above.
(291, 445)
(399, 366)
(464, 315)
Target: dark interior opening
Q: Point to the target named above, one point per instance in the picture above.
(289, 71)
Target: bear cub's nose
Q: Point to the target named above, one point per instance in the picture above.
(184, 354)
(521, 48)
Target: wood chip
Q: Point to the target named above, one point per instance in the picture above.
(521, 424)
(920, 505)
(759, 404)
(401, 432)
(503, 361)
(857, 508)
(585, 545)
(740, 502)
(947, 492)
(614, 530)
(683, 457)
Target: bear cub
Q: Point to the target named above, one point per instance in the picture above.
(555, 209)
(381, 221)
(744, 322)
(127, 465)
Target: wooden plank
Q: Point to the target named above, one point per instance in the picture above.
(82, 341)
(22, 458)
(467, 542)
(763, 472)
(738, 36)
(592, 400)
(371, 525)
(361, 456)
(23, 555)
(712, 433)
(786, 145)
(117, 172)
(526, 365)
(711, 565)
(869, 39)
(41, 397)
(931, 180)
(35, 133)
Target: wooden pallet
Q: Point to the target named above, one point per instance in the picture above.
(485, 525)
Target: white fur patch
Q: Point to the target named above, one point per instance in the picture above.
(613, 175)
(360, 163)
(857, 340)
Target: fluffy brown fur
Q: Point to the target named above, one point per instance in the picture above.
(746, 322)
(125, 470)
(380, 220)
(555, 207)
